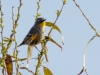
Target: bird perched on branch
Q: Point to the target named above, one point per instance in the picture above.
(34, 36)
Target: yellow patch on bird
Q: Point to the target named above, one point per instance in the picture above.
(34, 37)
(42, 24)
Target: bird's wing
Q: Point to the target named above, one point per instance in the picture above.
(33, 37)
(30, 36)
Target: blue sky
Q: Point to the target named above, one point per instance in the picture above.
(75, 29)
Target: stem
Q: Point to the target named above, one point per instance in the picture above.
(56, 19)
(44, 44)
(97, 34)
(2, 37)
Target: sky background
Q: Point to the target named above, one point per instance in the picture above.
(74, 27)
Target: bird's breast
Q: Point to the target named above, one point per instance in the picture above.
(42, 24)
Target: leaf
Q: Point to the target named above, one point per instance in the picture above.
(81, 71)
(64, 1)
(50, 39)
(29, 54)
(22, 59)
(1, 62)
(14, 54)
(50, 24)
(84, 61)
(9, 64)
(20, 73)
(47, 71)
(86, 48)
(58, 12)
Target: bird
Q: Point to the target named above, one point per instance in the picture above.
(35, 35)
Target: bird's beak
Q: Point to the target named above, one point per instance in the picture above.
(44, 19)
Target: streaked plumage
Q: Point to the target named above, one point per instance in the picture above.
(36, 33)
(34, 36)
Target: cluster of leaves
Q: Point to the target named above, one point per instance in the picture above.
(6, 61)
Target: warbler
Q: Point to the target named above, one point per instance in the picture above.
(35, 36)
(36, 33)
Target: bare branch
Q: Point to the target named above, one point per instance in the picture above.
(56, 19)
(27, 70)
(97, 34)
(44, 44)
(2, 37)
(86, 72)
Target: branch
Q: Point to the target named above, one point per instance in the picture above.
(56, 18)
(14, 28)
(97, 34)
(43, 51)
(2, 37)
(38, 14)
(27, 70)
(1, 24)
(16, 24)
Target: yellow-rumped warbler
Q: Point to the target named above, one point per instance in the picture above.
(34, 36)
(36, 33)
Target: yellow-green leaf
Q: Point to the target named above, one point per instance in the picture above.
(50, 24)
(14, 54)
(37, 15)
(64, 1)
(47, 71)
(20, 59)
(81, 71)
(50, 39)
(8, 39)
(58, 12)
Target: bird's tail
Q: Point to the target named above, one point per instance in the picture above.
(29, 54)
(20, 44)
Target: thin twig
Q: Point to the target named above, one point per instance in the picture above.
(2, 37)
(41, 53)
(56, 19)
(27, 70)
(15, 40)
(97, 34)
(84, 64)
(39, 62)
(37, 48)
(16, 21)
(14, 28)
(86, 72)
(38, 6)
